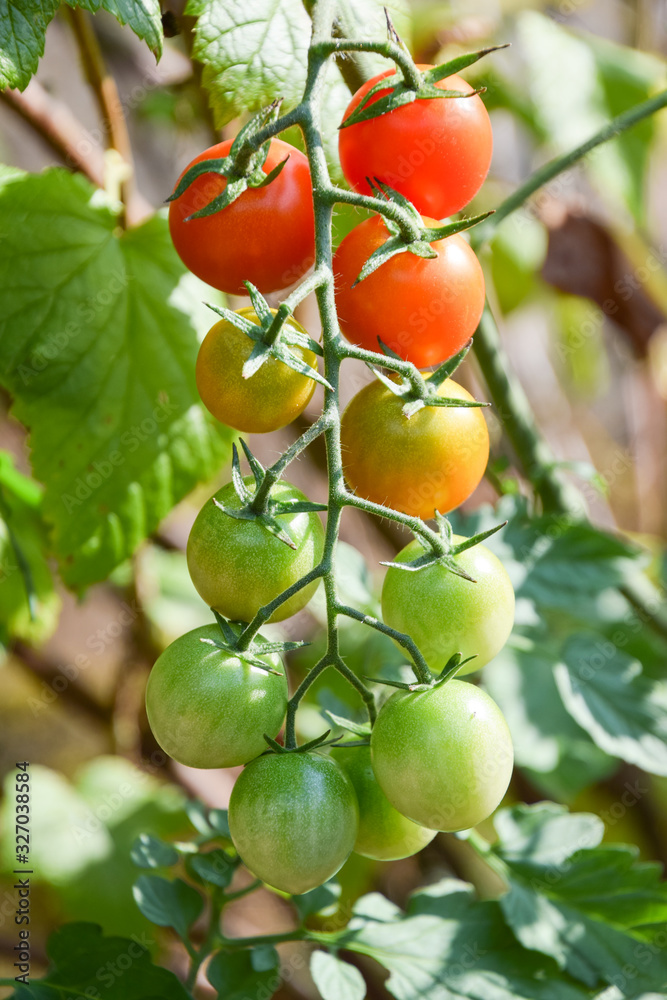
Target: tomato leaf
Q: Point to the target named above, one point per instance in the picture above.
(335, 979)
(241, 72)
(242, 974)
(605, 692)
(85, 309)
(322, 900)
(215, 867)
(449, 945)
(144, 18)
(23, 25)
(151, 852)
(589, 908)
(82, 961)
(168, 903)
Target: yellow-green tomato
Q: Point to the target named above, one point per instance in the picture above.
(271, 398)
(443, 756)
(293, 818)
(446, 614)
(237, 566)
(210, 708)
(384, 834)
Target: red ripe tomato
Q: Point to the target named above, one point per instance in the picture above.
(434, 151)
(423, 309)
(266, 236)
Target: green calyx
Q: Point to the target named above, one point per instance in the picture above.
(242, 167)
(273, 337)
(404, 91)
(454, 666)
(259, 504)
(417, 391)
(439, 548)
(231, 642)
(409, 235)
(319, 741)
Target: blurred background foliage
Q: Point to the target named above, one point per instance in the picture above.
(579, 286)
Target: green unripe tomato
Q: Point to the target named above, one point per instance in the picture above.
(293, 818)
(384, 834)
(444, 756)
(210, 708)
(446, 614)
(237, 565)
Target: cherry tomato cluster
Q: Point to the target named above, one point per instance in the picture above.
(440, 754)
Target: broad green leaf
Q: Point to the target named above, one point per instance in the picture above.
(451, 947)
(605, 692)
(29, 605)
(545, 834)
(242, 974)
(143, 17)
(335, 979)
(23, 25)
(84, 963)
(584, 906)
(168, 903)
(253, 51)
(98, 341)
(560, 755)
(151, 852)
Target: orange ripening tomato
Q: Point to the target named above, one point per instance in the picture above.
(435, 151)
(266, 236)
(423, 309)
(430, 461)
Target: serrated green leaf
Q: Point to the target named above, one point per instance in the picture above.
(563, 903)
(23, 25)
(335, 979)
(168, 903)
(449, 946)
(242, 974)
(151, 852)
(83, 962)
(604, 691)
(97, 346)
(243, 70)
(144, 17)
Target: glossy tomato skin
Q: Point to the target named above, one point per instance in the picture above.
(293, 819)
(424, 309)
(430, 461)
(238, 565)
(435, 152)
(384, 834)
(444, 756)
(446, 614)
(209, 708)
(266, 236)
(271, 398)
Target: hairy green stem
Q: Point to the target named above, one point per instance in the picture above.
(537, 461)
(560, 164)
